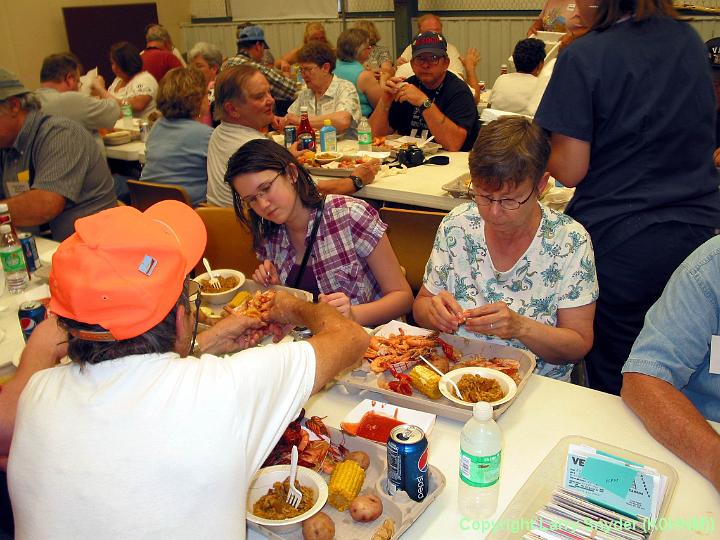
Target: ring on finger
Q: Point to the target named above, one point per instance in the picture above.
(491, 326)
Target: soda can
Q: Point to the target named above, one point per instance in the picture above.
(307, 142)
(31, 314)
(144, 131)
(290, 135)
(481, 86)
(30, 251)
(407, 459)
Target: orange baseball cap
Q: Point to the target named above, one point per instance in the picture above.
(124, 269)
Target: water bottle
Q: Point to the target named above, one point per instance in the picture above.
(127, 115)
(480, 453)
(328, 137)
(13, 261)
(365, 135)
(503, 69)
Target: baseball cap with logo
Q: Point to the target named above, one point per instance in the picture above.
(713, 52)
(10, 85)
(252, 34)
(429, 42)
(124, 269)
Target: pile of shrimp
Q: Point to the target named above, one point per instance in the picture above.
(399, 351)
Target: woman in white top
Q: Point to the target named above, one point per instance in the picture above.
(132, 85)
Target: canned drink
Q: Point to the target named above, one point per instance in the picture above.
(31, 314)
(481, 85)
(407, 459)
(30, 251)
(307, 142)
(290, 135)
(144, 131)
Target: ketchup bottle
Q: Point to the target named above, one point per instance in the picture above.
(306, 133)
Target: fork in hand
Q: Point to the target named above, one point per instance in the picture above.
(294, 496)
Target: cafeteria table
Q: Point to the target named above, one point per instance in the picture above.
(545, 412)
(132, 151)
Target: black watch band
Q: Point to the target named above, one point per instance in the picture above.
(357, 182)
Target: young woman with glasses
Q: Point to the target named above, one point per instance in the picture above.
(335, 248)
(507, 269)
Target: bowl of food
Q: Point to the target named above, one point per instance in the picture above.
(323, 158)
(478, 384)
(230, 283)
(266, 496)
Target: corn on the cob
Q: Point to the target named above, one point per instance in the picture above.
(345, 484)
(425, 380)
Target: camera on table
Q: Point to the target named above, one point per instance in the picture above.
(412, 156)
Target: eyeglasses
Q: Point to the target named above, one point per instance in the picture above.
(306, 70)
(262, 191)
(431, 59)
(193, 296)
(507, 204)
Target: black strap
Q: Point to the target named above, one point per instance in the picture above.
(311, 243)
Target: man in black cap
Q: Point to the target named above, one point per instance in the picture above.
(251, 48)
(713, 51)
(434, 101)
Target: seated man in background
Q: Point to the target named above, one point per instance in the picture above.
(432, 23)
(158, 57)
(513, 92)
(672, 378)
(245, 107)
(251, 47)
(132, 420)
(51, 167)
(434, 101)
(59, 95)
(326, 95)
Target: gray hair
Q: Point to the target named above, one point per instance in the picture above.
(209, 51)
(28, 101)
(157, 32)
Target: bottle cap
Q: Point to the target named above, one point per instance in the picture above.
(327, 122)
(482, 411)
(303, 110)
(5, 228)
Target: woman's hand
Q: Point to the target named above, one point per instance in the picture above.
(445, 313)
(471, 59)
(279, 122)
(339, 301)
(266, 274)
(495, 319)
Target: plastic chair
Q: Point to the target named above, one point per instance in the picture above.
(145, 194)
(229, 243)
(412, 233)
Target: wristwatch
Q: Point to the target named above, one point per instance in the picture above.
(357, 182)
(426, 104)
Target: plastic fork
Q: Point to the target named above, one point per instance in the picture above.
(294, 496)
(448, 379)
(423, 143)
(214, 282)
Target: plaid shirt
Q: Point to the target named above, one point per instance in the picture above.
(349, 231)
(281, 87)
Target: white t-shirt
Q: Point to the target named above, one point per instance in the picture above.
(224, 142)
(151, 446)
(142, 84)
(513, 92)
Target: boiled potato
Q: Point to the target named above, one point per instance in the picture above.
(318, 527)
(359, 457)
(366, 508)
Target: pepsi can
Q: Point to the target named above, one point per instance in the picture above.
(31, 314)
(30, 251)
(290, 135)
(307, 142)
(407, 459)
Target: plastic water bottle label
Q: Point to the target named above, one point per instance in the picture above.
(479, 471)
(365, 138)
(12, 260)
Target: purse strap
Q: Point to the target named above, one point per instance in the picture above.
(311, 243)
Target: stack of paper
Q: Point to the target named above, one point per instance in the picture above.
(603, 496)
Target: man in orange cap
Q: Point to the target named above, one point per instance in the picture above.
(135, 437)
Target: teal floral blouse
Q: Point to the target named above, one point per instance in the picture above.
(557, 271)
